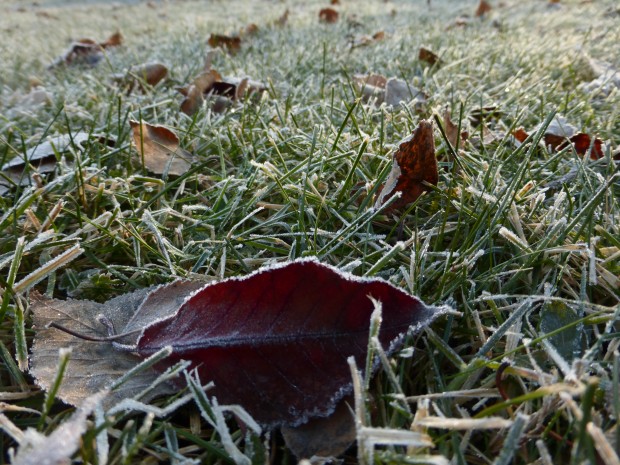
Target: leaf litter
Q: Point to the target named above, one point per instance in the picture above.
(274, 342)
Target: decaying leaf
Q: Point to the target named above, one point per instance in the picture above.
(282, 20)
(560, 134)
(393, 91)
(275, 342)
(158, 149)
(483, 8)
(328, 15)
(323, 437)
(414, 168)
(87, 51)
(428, 56)
(232, 44)
(150, 74)
(224, 90)
(452, 131)
(41, 159)
(94, 366)
(364, 40)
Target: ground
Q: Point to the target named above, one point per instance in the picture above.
(518, 237)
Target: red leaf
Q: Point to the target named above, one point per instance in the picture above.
(582, 143)
(413, 168)
(328, 15)
(277, 341)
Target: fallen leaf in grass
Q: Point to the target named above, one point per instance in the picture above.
(250, 30)
(584, 144)
(328, 15)
(520, 135)
(212, 83)
(428, 56)
(393, 91)
(482, 114)
(57, 448)
(150, 74)
(94, 366)
(414, 168)
(282, 20)
(87, 51)
(232, 44)
(398, 92)
(483, 8)
(159, 151)
(334, 2)
(364, 40)
(452, 131)
(275, 342)
(42, 160)
(323, 437)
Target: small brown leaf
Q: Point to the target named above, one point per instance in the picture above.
(483, 8)
(282, 20)
(428, 56)
(114, 40)
(232, 44)
(328, 15)
(520, 135)
(334, 2)
(146, 73)
(86, 51)
(452, 131)
(194, 94)
(159, 149)
(414, 167)
(584, 144)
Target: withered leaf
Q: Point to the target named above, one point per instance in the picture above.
(87, 51)
(232, 44)
(158, 149)
(276, 342)
(414, 167)
(328, 15)
(428, 56)
(483, 8)
(452, 131)
(94, 366)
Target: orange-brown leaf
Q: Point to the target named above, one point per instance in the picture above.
(194, 94)
(232, 44)
(452, 131)
(483, 8)
(151, 73)
(159, 150)
(428, 56)
(414, 167)
(328, 15)
(583, 142)
(114, 40)
(520, 134)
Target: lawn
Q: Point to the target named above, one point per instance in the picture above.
(520, 236)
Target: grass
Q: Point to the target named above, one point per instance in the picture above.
(531, 270)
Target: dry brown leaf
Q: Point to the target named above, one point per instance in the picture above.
(334, 2)
(428, 56)
(328, 15)
(147, 73)
(87, 51)
(159, 151)
(195, 93)
(232, 44)
(414, 168)
(452, 131)
(282, 20)
(483, 8)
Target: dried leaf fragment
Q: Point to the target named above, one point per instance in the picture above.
(87, 51)
(452, 131)
(428, 56)
(232, 44)
(328, 15)
(483, 8)
(159, 150)
(414, 168)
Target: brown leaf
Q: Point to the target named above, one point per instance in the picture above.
(282, 20)
(452, 131)
(323, 437)
(151, 73)
(483, 8)
(520, 135)
(159, 150)
(334, 2)
(481, 114)
(114, 40)
(194, 94)
(328, 15)
(428, 56)
(413, 168)
(583, 143)
(232, 44)
(87, 51)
